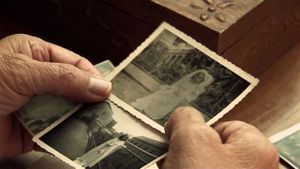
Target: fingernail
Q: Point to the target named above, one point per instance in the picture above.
(99, 86)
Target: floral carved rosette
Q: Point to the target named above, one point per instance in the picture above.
(218, 15)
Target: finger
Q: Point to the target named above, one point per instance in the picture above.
(241, 137)
(13, 140)
(27, 141)
(183, 116)
(190, 139)
(69, 81)
(62, 55)
(234, 131)
(41, 50)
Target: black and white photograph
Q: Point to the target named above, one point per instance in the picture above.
(287, 143)
(101, 136)
(42, 111)
(171, 70)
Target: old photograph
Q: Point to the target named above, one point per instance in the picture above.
(287, 143)
(171, 70)
(41, 111)
(101, 136)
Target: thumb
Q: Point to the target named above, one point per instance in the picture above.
(69, 81)
(191, 140)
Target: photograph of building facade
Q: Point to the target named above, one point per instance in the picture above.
(91, 139)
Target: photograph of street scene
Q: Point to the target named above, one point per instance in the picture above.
(102, 136)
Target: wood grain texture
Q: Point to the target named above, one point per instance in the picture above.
(254, 42)
(154, 14)
(268, 41)
(220, 14)
(274, 104)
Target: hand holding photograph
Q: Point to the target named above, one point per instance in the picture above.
(42, 111)
(169, 70)
(104, 136)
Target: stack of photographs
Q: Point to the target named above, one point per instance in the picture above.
(42, 111)
(169, 69)
(287, 143)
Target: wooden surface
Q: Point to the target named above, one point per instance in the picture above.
(246, 43)
(268, 41)
(274, 104)
(218, 15)
(101, 29)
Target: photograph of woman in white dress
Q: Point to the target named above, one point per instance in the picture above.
(162, 102)
(171, 72)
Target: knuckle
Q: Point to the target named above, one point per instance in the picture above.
(241, 126)
(239, 123)
(187, 113)
(68, 73)
(194, 130)
(252, 136)
(185, 120)
(83, 59)
(21, 36)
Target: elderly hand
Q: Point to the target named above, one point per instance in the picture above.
(229, 145)
(30, 66)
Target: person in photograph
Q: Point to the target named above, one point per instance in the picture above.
(31, 66)
(162, 102)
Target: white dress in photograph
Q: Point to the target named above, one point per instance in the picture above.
(160, 103)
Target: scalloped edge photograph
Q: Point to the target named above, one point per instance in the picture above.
(170, 69)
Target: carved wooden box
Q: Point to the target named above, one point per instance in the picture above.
(253, 34)
(218, 15)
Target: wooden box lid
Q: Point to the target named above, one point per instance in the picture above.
(218, 15)
(218, 24)
(229, 19)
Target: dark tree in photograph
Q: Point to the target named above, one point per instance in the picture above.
(167, 63)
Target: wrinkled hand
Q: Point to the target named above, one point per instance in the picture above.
(30, 66)
(229, 145)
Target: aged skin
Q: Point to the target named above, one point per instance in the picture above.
(30, 66)
(228, 145)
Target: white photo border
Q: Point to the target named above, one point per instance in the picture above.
(165, 26)
(284, 134)
(48, 148)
